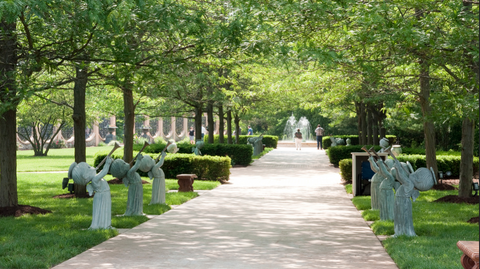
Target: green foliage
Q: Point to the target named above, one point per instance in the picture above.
(338, 153)
(240, 154)
(270, 141)
(444, 162)
(346, 169)
(205, 167)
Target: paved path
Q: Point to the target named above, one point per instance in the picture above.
(287, 210)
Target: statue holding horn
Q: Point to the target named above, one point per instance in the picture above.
(82, 174)
(375, 181)
(121, 170)
(386, 195)
(147, 164)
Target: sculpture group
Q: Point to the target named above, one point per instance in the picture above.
(83, 174)
(393, 175)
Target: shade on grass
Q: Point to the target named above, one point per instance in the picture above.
(439, 226)
(42, 241)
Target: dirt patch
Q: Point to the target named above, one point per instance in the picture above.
(20, 210)
(72, 195)
(473, 220)
(118, 181)
(443, 187)
(458, 200)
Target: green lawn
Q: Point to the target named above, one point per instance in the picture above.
(438, 227)
(42, 241)
(57, 159)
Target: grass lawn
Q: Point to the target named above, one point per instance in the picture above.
(56, 160)
(42, 241)
(439, 226)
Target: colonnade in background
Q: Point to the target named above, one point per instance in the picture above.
(166, 128)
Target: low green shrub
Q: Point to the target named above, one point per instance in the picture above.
(270, 141)
(338, 153)
(444, 163)
(240, 154)
(346, 169)
(354, 140)
(205, 167)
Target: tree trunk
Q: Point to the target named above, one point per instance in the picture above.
(237, 128)
(374, 112)
(211, 124)
(129, 111)
(229, 127)
(466, 164)
(359, 121)
(428, 126)
(369, 125)
(363, 114)
(198, 122)
(8, 120)
(79, 117)
(79, 120)
(221, 127)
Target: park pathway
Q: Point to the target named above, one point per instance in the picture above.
(286, 210)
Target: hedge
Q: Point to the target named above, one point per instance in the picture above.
(354, 140)
(205, 167)
(338, 153)
(346, 169)
(239, 154)
(444, 163)
(270, 141)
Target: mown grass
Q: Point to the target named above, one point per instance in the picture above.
(56, 160)
(439, 226)
(42, 241)
(265, 151)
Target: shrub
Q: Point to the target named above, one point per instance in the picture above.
(444, 163)
(354, 140)
(239, 154)
(58, 144)
(205, 167)
(346, 169)
(270, 141)
(338, 153)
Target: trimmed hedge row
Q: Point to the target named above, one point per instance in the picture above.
(270, 141)
(239, 154)
(346, 169)
(205, 167)
(444, 163)
(354, 140)
(338, 153)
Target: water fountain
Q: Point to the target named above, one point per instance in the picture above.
(292, 125)
(290, 129)
(305, 128)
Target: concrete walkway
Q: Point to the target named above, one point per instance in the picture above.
(286, 210)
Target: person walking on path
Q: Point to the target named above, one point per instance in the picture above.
(298, 140)
(191, 134)
(319, 132)
(250, 130)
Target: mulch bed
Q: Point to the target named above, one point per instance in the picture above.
(72, 195)
(458, 200)
(19, 210)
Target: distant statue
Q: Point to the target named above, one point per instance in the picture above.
(256, 143)
(421, 180)
(384, 144)
(198, 145)
(336, 141)
(349, 142)
(121, 170)
(82, 174)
